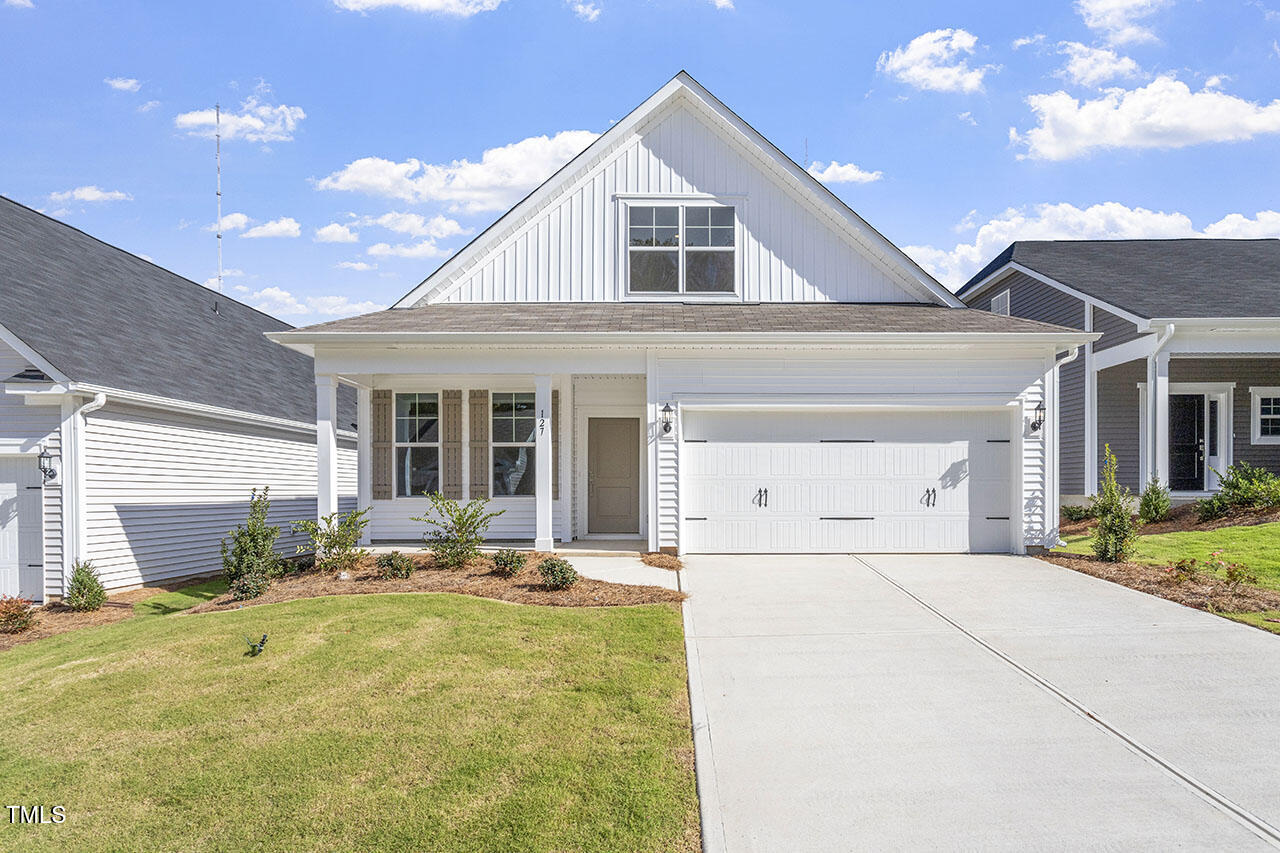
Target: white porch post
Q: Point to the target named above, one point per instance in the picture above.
(544, 541)
(1090, 371)
(326, 445)
(364, 452)
(1158, 414)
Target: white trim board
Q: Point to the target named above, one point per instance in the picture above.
(1013, 266)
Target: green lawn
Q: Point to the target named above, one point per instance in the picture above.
(371, 722)
(180, 599)
(1256, 546)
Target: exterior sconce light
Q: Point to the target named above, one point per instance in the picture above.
(668, 416)
(46, 464)
(1038, 422)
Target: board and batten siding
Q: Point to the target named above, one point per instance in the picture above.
(1245, 373)
(784, 374)
(572, 249)
(1115, 330)
(162, 489)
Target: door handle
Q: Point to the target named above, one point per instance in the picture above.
(766, 497)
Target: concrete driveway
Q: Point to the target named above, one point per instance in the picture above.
(942, 702)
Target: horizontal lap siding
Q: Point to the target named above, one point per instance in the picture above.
(1115, 330)
(393, 521)
(567, 251)
(162, 490)
(1246, 373)
(1118, 419)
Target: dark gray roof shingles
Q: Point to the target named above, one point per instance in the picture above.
(105, 317)
(1195, 277)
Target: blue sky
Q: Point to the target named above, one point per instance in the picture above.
(365, 140)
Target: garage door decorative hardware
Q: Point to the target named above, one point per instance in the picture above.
(846, 441)
(930, 497)
(695, 518)
(37, 488)
(997, 441)
(997, 518)
(846, 518)
(695, 441)
(762, 498)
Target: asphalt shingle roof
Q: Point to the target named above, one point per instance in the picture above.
(105, 317)
(1159, 278)
(657, 317)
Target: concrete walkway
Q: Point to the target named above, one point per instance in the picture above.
(916, 702)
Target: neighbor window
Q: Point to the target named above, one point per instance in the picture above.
(417, 444)
(1000, 303)
(513, 444)
(1266, 415)
(681, 249)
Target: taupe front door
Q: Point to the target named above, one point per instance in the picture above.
(613, 475)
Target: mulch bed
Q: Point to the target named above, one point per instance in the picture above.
(477, 578)
(57, 618)
(658, 560)
(1202, 591)
(1184, 518)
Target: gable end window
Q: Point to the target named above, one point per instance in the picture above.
(1000, 303)
(1265, 415)
(681, 249)
(417, 444)
(514, 448)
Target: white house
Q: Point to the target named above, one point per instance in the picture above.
(138, 411)
(683, 337)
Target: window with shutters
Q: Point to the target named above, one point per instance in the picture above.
(513, 444)
(417, 444)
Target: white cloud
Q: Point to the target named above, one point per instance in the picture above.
(1090, 66)
(1063, 221)
(148, 106)
(1118, 20)
(417, 225)
(453, 8)
(285, 226)
(20, 4)
(1027, 41)
(967, 118)
(336, 233)
(212, 281)
(587, 11)
(123, 84)
(843, 173)
(256, 122)
(341, 306)
(424, 249)
(278, 301)
(358, 266)
(936, 61)
(1163, 114)
(501, 178)
(231, 222)
(722, 4)
(90, 194)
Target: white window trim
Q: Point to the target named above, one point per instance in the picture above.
(1000, 303)
(396, 444)
(681, 201)
(532, 445)
(1256, 393)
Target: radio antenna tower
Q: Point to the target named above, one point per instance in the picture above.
(217, 143)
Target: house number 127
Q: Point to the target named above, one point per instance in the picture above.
(542, 421)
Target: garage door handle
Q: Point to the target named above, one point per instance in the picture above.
(846, 518)
(766, 497)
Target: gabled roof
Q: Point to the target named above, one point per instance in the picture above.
(101, 316)
(876, 246)
(1188, 278)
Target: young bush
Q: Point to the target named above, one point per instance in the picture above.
(1246, 486)
(1184, 570)
(1077, 513)
(252, 543)
(335, 540)
(16, 615)
(395, 565)
(1236, 574)
(1207, 509)
(1155, 503)
(508, 562)
(249, 585)
(1114, 535)
(85, 591)
(557, 573)
(455, 530)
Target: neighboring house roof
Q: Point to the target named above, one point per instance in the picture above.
(104, 317)
(1157, 278)
(789, 175)
(505, 318)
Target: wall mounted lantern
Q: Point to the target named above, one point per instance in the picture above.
(46, 464)
(1038, 421)
(668, 416)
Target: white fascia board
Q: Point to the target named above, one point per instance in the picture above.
(19, 346)
(1119, 354)
(1226, 324)
(1013, 266)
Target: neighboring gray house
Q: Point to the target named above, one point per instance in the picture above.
(138, 411)
(1190, 332)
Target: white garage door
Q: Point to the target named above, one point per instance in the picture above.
(843, 481)
(21, 539)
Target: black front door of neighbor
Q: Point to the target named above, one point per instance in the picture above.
(1186, 442)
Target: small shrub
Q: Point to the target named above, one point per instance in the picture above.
(302, 563)
(508, 562)
(16, 615)
(395, 565)
(1249, 487)
(455, 530)
(1236, 574)
(252, 543)
(85, 591)
(334, 540)
(1208, 509)
(557, 573)
(1077, 513)
(1114, 535)
(1184, 570)
(249, 585)
(1155, 503)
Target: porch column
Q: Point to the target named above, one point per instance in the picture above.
(326, 445)
(543, 541)
(1158, 413)
(364, 452)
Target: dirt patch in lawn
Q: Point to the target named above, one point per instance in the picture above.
(1184, 518)
(669, 562)
(57, 618)
(477, 578)
(1202, 591)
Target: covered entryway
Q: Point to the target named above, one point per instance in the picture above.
(613, 475)
(841, 481)
(21, 537)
